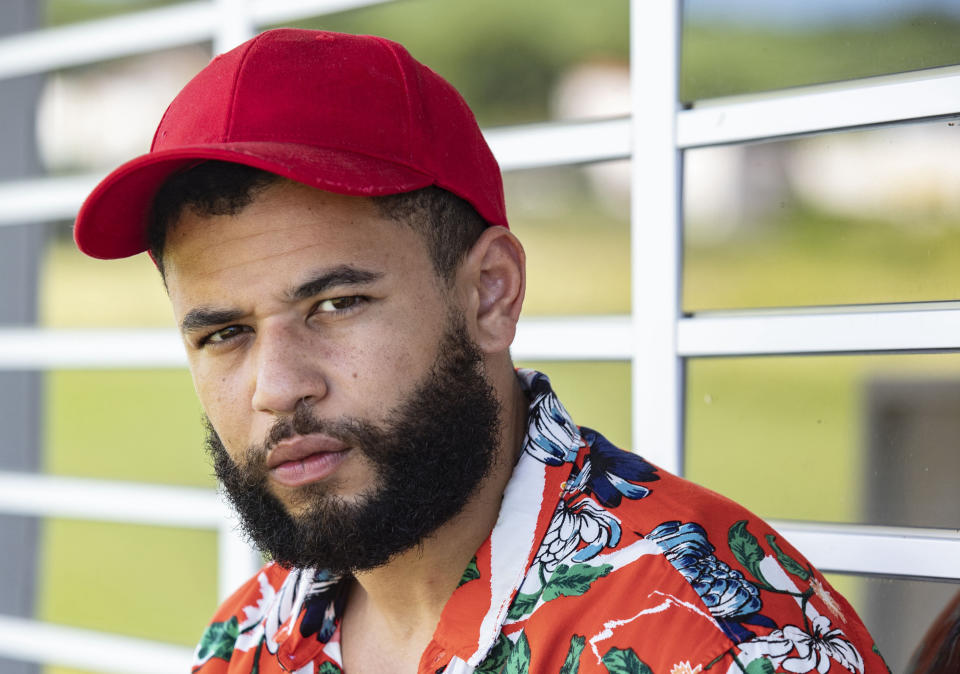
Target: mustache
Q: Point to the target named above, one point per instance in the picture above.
(303, 421)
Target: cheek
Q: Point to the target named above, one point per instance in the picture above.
(390, 363)
(220, 396)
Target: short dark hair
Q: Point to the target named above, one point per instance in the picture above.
(448, 224)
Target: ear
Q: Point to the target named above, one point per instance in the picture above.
(493, 278)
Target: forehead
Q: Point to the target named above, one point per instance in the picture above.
(289, 228)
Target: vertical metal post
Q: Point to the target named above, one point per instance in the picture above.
(234, 25)
(237, 561)
(655, 232)
(20, 392)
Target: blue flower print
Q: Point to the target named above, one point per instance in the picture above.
(325, 601)
(552, 437)
(610, 472)
(572, 525)
(731, 598)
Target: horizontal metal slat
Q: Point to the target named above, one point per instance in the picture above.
(573, 338)
(522, 147)
(37, 200)
(893, 551)
(559, 143)
(49, 644)
(867, 330)
(885, 551)
(39, 495)
(848, 548)
(848, 330)
(42, 349)
(144, 31)
(564, 143)
(135, 33)
(805, 110)
(789, 112)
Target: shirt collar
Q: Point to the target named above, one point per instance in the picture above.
(476, 612)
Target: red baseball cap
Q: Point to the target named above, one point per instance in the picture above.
(349, 114)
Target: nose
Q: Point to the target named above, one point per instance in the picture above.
(286, 372)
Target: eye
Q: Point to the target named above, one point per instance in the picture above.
(223, 335)
(336, 305)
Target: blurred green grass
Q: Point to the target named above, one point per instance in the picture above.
(807, 257)
(739, 56)
(125, 425)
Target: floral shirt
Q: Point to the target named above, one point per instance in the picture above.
(599, 562)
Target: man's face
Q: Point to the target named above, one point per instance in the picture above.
(336, 372)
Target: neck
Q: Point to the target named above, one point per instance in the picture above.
(402, 600)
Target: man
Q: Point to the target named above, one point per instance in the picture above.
(939, 650)
(330, 227)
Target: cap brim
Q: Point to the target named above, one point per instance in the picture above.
(112, 222)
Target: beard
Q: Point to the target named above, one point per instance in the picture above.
(428, 458)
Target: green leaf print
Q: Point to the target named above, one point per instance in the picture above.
(618, 661)
(470, 573)
(788, 562)
(746, 548)
(760, 666)
(522, 605)
(880, 655)
(496, 657)
(329, 668)
(572, 664)
(256, 659)
(218, 640)
(573, 581)
(519, 660)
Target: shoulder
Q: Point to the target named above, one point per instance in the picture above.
(713, 581)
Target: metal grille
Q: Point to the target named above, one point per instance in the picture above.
(656, 337)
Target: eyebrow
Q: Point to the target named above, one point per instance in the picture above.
(343, 275)
(202, 317)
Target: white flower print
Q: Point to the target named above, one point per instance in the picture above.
(574, 523)
(773, 646)
(816, 649)
(251, 629)
(552, 437)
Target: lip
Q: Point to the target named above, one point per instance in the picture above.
(305, 458)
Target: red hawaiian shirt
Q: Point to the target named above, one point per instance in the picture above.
(599, 562)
